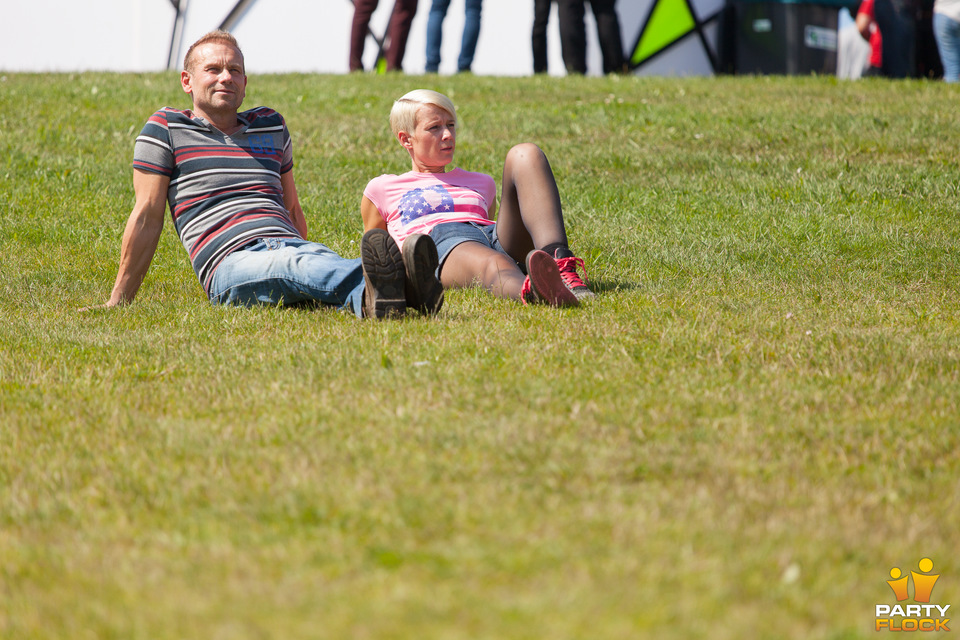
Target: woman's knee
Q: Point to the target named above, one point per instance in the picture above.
(525, 153)
(498, 267)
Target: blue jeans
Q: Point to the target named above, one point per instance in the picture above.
(471, 33)
(274, 271)
(947, 33)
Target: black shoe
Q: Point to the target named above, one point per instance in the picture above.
(383, 275)
(424, 291)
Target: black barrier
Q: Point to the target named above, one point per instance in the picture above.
(782, 37)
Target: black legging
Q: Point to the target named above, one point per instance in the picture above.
(573, 35)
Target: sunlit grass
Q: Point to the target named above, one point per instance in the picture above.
(753, 423)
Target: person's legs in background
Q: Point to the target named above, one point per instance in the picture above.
(947, 32)
(362, 10)
(438, 11)
(538, 38)
(573, 35)
(896, 25)
(398, 32)
(608, 32)
(471, 34)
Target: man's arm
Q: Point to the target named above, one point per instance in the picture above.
(371, 215)
(141, 235)
(292, 203)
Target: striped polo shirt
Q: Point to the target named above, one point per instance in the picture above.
(224, 190)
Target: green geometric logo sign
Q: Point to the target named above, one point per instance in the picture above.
(669, 21)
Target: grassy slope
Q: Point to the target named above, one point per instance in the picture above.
(756, 420)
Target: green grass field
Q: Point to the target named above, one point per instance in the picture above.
(753, 423)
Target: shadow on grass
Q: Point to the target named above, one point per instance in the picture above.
(467, 307)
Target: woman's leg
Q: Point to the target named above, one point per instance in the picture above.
(471, 263)
(530, 216)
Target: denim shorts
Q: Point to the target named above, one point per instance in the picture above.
(450, 234)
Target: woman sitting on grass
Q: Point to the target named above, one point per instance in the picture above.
(456, 209)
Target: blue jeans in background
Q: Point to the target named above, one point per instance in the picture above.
(471, 33)
(947, 33)
(274, 271)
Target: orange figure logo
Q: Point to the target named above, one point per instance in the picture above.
(922, 582)
(898, 584)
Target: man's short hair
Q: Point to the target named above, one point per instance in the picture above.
(403, 115)
(218, 36)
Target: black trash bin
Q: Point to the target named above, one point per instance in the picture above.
(783, 37)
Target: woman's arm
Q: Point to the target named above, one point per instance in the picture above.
(371, 216)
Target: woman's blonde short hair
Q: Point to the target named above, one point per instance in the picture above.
(403, 115)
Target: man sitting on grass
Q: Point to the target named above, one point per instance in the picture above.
(228, 177)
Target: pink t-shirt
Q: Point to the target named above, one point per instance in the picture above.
(417, 202)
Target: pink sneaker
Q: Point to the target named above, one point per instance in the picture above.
(568, 271)
(544, 282)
